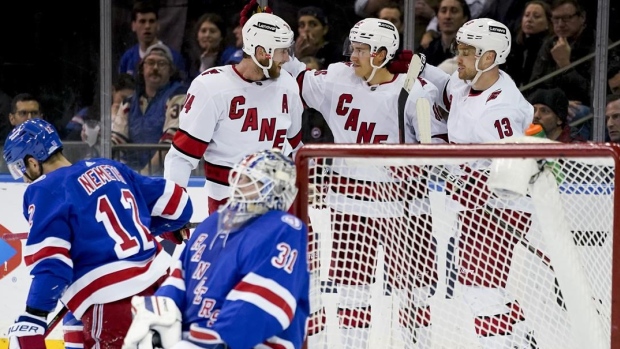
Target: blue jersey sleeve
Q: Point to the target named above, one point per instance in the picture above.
(270, 303)
(168, 204)
(174, 286)
(47, 251)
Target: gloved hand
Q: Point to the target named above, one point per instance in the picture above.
(400, 63)
(249, 9)
(153, 314)
(177, 236)
(28, 332)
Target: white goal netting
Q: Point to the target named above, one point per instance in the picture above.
(411, 248)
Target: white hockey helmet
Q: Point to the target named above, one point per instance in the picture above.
(376, 33)
(486, 35)
(261, 182)
(268, 31)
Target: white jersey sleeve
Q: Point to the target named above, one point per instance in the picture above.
(197, 122)
(441, 80)
(439, 129)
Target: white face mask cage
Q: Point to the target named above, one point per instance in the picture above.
(262, 182)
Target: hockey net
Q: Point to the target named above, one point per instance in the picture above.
(410, 248)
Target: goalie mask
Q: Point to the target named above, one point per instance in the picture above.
(271, 33)
(376, 33)
(34, 138)
(261, 182)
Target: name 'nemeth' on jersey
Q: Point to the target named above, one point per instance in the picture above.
(98, 176)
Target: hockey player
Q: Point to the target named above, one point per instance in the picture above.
(238, 109)
(359, 101)
(242, 280)
(91, 242)
(485, 105)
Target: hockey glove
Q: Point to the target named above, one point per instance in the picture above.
(153, 314)
(28, 332)
(251, 8)
(177, 236)
(400, 63)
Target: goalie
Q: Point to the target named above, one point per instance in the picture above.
(244, 270)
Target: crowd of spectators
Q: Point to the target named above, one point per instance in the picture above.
(193, 36)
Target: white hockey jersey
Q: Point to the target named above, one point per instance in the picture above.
(498, 112)
(359, 113)
(226, 117)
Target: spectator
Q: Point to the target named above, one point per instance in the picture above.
(612, 117)
(144, 22)
(534, 29)
(570, 42)
(150, 115)
(24, 107)
(208, 46)
(233, 53)
(432, 30)
(508, 12)
(424, 12)
(613, 78)
(312, 29)
(550, 112)
(452, 15)
(393, 13)
(87, 118)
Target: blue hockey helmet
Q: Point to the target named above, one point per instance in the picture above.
(36, 138)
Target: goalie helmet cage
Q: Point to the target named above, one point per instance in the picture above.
(409, 248)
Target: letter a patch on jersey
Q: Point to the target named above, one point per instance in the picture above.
(284, 104)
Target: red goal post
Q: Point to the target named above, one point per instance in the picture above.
(543, 246)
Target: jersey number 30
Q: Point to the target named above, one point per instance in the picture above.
(127, 245)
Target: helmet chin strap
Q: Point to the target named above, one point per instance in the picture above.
(479, 72)
(265, 69)
(374, 68)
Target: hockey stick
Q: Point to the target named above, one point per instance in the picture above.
(24, 236)
(423, 111)
(412, 74)
(460, 185)
(55, 321)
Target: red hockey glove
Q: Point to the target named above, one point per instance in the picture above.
(249, 9)
(177, 236)
(400, 63)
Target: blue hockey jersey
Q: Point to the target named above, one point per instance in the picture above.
(90, 233)
(247, 288)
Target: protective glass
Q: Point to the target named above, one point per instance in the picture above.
(282, 54)
(463, 50)
(356, 49)
(17, 169)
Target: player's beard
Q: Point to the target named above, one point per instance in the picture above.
(274, 70)
(467, 74)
